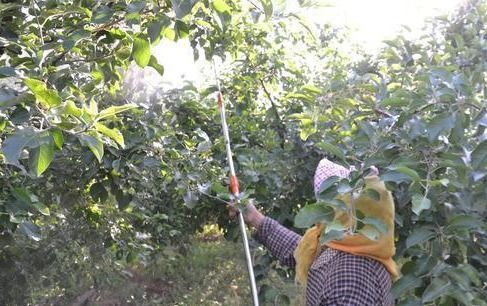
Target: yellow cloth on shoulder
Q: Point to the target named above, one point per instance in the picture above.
(381, 249)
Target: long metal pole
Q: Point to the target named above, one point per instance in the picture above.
(234, 189)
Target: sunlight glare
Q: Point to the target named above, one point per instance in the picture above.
(370, 22)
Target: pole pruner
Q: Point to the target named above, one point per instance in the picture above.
(234, 189)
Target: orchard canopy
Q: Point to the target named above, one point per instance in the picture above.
(99, 174)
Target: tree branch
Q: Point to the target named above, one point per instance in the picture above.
(281, 128)
(41, 34)
(116, 21)
(87, 60)
(382, 112)
(108, 25)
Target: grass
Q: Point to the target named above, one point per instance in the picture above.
(212, 271)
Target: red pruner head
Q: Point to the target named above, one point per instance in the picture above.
(234, 187)
(220, 99)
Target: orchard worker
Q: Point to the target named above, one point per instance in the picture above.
(352, 271)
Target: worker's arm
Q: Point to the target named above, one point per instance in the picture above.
(279, 240)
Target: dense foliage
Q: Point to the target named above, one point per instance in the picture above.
(97, 175)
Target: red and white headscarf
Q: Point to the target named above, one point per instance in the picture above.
(327, 169)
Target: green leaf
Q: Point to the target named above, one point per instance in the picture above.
(307, 129)
(312, 214)
(30, 230)
(479, 156)
(181, 29)
(311, 88)
(446, 93)
(123, 200)
(156, 29)
(334, 225)
(135, 6)
(332, 235)
(219, 188)
(405, 284)
(98, 192)
(370, 232)
(442, 123)
(373, 194)
(141, 51)
(376, 223)
(220, 6)
(203, 23)
(23, 195)
(407, 171)
(328, 183)
(395, 176)
(344, 187)
(182, 7)
(471, 273)
(93, 142)
(394, 101)
(331, 149)
(170, 34)
(41, 157)
(102, 15)
(335, 203)
(420, 235)
(268, 8)
(133, 12)
(98, 76)
(46, 97)
(420, 203)
(437, 288)
(8, 6)
(9, 98)
(300, 116)
(70, 108)
(113, 110)
(114, 133)
(74, 38)
(57, 135)
(7, 72)
(466, 222)
(43, 209)
(154, 64)
(410, 301)
(13, 146)
(118, 33)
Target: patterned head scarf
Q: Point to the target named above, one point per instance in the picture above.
(328, 169)
(382, 249)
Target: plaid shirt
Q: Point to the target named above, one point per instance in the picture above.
(335, 277)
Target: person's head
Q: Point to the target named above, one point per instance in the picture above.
(328, 169)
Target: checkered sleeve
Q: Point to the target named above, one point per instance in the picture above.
(280, 241)
(353, 281)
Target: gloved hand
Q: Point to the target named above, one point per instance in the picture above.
(252, 215)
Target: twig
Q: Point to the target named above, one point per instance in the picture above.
(116, 21)
(44, 117)
(256, 7)
(382, 112)
(87, 60)
(108, 25)
(213, 197)
(41, 34)
(59, 14)
(473, 105)
(60, 57)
